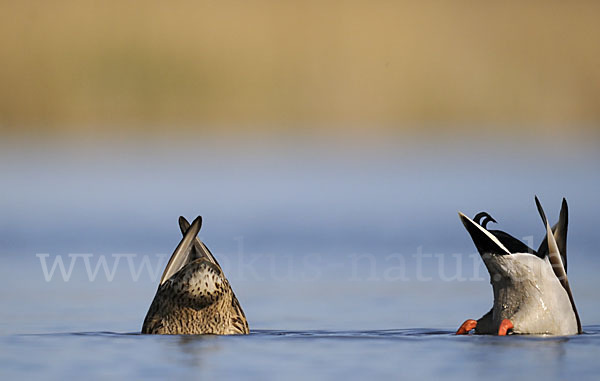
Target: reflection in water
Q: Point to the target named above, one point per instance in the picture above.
(193, 350)
(508, 354)
(304, 354)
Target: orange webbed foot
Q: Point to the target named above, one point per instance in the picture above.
(505, 325)
(466, 327)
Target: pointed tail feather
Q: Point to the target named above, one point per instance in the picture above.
(181, 254)
(560, 235)
(199, 248)
(556, 261)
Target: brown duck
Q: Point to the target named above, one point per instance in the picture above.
(193, 296)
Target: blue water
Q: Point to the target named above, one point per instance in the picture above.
(348, 259)
(424, 353)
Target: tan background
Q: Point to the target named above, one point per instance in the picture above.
(95, 66)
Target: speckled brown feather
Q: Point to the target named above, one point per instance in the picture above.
(197, 299)
(199, 250)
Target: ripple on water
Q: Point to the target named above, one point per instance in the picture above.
(590, 330)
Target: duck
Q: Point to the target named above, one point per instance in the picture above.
(532, 294)
(194, 297)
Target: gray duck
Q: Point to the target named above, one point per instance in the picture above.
(532, 294)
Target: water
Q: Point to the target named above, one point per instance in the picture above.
(349, 260)
(277, 354)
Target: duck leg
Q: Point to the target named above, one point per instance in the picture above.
(466, 327)
(505, 325)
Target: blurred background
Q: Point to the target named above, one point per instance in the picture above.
(374, 66)
(327, 144)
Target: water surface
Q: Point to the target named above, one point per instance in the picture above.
(350, 262)
(300, 354)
